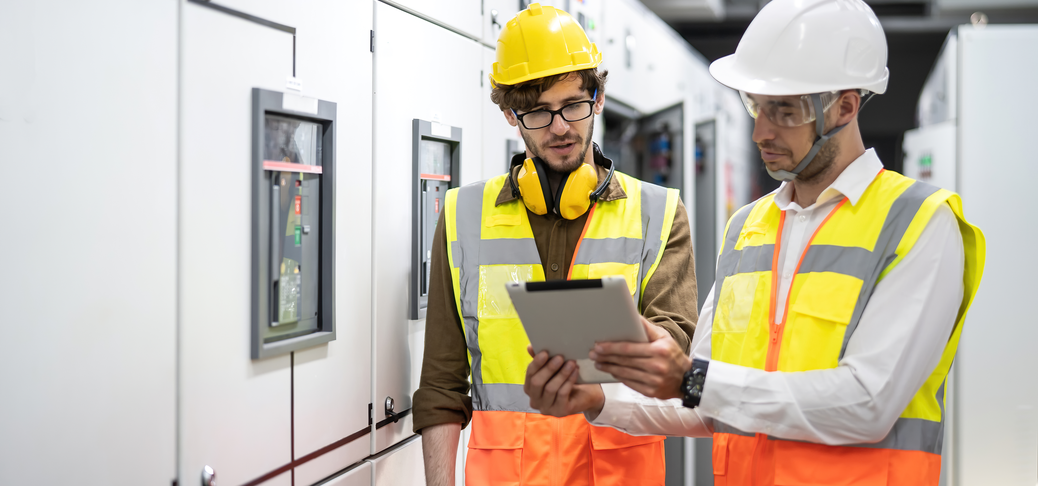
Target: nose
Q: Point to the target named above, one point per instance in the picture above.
(559, 126)
(763, 129)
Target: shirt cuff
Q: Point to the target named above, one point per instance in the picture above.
(722, 390)
(617, 409)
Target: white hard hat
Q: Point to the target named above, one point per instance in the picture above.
(795, 47)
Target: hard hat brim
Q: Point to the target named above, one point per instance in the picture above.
(548, 72)
(728, 72)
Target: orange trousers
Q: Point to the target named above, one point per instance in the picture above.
(516, 448)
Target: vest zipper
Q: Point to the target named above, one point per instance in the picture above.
(777, 328)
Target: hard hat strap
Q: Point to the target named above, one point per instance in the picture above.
(822, 138)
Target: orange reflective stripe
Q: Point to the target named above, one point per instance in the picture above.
(561, 451)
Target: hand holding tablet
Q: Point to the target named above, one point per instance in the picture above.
(567, 317)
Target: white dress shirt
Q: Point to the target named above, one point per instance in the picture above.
(897, 344)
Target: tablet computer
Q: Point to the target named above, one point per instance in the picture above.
(567, 317)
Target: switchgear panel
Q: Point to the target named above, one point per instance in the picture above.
(436, 151)
(293, 235)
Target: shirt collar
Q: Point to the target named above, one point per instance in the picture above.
(851, 183)
(612, 192)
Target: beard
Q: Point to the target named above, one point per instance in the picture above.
(821, 164)
(566, 164)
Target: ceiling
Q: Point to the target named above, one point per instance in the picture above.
(915, 31)
(904, 15)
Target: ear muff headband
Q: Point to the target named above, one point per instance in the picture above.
(571, 199)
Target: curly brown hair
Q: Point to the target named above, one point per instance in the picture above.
(523, 96)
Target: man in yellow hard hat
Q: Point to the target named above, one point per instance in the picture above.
(561, 212)
(826, 340)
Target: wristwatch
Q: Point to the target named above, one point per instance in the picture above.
(692, 384)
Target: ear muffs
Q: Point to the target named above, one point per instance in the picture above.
(570, 200)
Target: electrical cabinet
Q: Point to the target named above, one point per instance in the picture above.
(293, 233)
(436, 155)
(975, 137)
(449, 95)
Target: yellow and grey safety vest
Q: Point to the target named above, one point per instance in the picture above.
(847, 257)
(489, 245)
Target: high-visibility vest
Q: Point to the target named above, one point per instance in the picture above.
(488, 245)
(850, 253)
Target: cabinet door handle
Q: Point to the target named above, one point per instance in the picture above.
(275, 249)
(208, 476)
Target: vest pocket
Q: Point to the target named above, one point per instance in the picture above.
(806, 464)
(607, 269)
(494, 302)
(817, 322)
(495, 455)
(619, 459)
(735, 304)
(604, 438)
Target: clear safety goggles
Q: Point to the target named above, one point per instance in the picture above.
(787, 111)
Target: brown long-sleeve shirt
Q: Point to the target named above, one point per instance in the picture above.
(669, 301)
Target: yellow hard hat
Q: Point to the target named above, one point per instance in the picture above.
(540, 42)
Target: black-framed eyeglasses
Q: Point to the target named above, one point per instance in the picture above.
(572, 112)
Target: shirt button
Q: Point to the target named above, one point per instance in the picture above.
(554, 267)
(803, 218)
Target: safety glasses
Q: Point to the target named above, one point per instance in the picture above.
(787, 111)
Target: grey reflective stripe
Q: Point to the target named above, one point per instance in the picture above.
(847, 260)
(900, 216)
(500, 397)
(508, 251)
(472, 342)
(468, 215)
(654, 211)
(729, 257)
(907, 434)
(626, 250)
(747, 260)
(911, 434)
(723, 428)
(940, 401)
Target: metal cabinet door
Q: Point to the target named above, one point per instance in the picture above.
(234, 412)
(401, 466)
(427, 72)
(463, 15)
(88, 130)
(361, 476)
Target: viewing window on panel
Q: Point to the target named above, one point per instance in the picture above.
(295, 298)
(435, 163)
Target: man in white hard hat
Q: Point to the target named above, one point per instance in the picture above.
(824, 345)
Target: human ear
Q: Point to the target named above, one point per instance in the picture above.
(510, 117)
(599, 103)
(848, 104)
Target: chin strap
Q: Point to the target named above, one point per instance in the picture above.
(822, 138)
